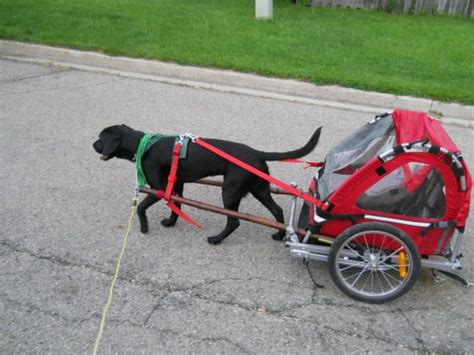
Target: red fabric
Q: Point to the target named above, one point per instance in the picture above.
(349, 192)
(413, 126)
(426, 244)
(305, 196)
(347, 195)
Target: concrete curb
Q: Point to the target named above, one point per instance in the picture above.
(234, 82)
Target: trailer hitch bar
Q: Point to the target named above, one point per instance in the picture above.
(223, 211)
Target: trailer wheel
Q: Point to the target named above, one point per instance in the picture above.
(374, 262)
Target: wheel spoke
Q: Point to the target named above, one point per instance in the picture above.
(383, 242)
(388, 281)
(366, 263)
(358, 277)
(389, 256)
(380, 283)
(394, 268)
(355, 264)
(372, 281)
(391, 240)
(367, 244)
(366, 280)
(354, 252)
(359, 243)
(392, 277)
(350, 277)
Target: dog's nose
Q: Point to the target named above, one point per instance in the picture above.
(97, 146)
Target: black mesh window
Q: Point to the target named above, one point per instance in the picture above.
(414, 189)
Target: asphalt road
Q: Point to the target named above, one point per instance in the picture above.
(64, 213)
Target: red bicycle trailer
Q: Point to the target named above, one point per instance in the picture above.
(389, 199)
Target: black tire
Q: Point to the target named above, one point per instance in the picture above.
(374, 251)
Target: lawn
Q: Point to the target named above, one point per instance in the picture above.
(426, 56)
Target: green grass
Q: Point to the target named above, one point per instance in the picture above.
(427, 56)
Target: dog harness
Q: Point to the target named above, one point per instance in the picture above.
(147, 141)
(180, 152)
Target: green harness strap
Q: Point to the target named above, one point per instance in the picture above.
(145, 143)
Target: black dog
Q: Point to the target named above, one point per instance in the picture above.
(123, 141)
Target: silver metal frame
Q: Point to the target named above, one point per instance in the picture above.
(425, 147)
(306, 251)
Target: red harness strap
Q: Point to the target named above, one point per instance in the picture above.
(305, 196)
(172, 177)
(183, 215)
(309, 164)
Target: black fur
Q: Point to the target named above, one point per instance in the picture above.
(122, 142)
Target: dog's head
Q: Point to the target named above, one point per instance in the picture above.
(117, 142)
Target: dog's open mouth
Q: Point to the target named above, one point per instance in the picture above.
(104, 157)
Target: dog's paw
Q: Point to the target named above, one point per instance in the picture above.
(214, 240)
(168, 222)
(144, 229)
(278, 235)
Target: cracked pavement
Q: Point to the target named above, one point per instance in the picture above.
(64, 214)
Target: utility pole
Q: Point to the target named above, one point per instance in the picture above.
(263, 9)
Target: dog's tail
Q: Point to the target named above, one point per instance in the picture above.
(298, 153)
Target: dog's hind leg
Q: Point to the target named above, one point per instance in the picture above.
(141, 211)
(262, 193)
(171, 221)
(232, 194)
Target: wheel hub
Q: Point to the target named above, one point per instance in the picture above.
(374, 262)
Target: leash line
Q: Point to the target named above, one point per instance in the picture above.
(116, 273)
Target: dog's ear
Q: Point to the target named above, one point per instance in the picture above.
(111, 141)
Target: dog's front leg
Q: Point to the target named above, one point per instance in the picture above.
(141, 211)
(171, 221)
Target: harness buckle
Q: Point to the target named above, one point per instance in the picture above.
(191, 136)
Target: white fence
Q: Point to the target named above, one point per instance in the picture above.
(452, 7)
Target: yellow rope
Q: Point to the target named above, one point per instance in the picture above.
(114, 279)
